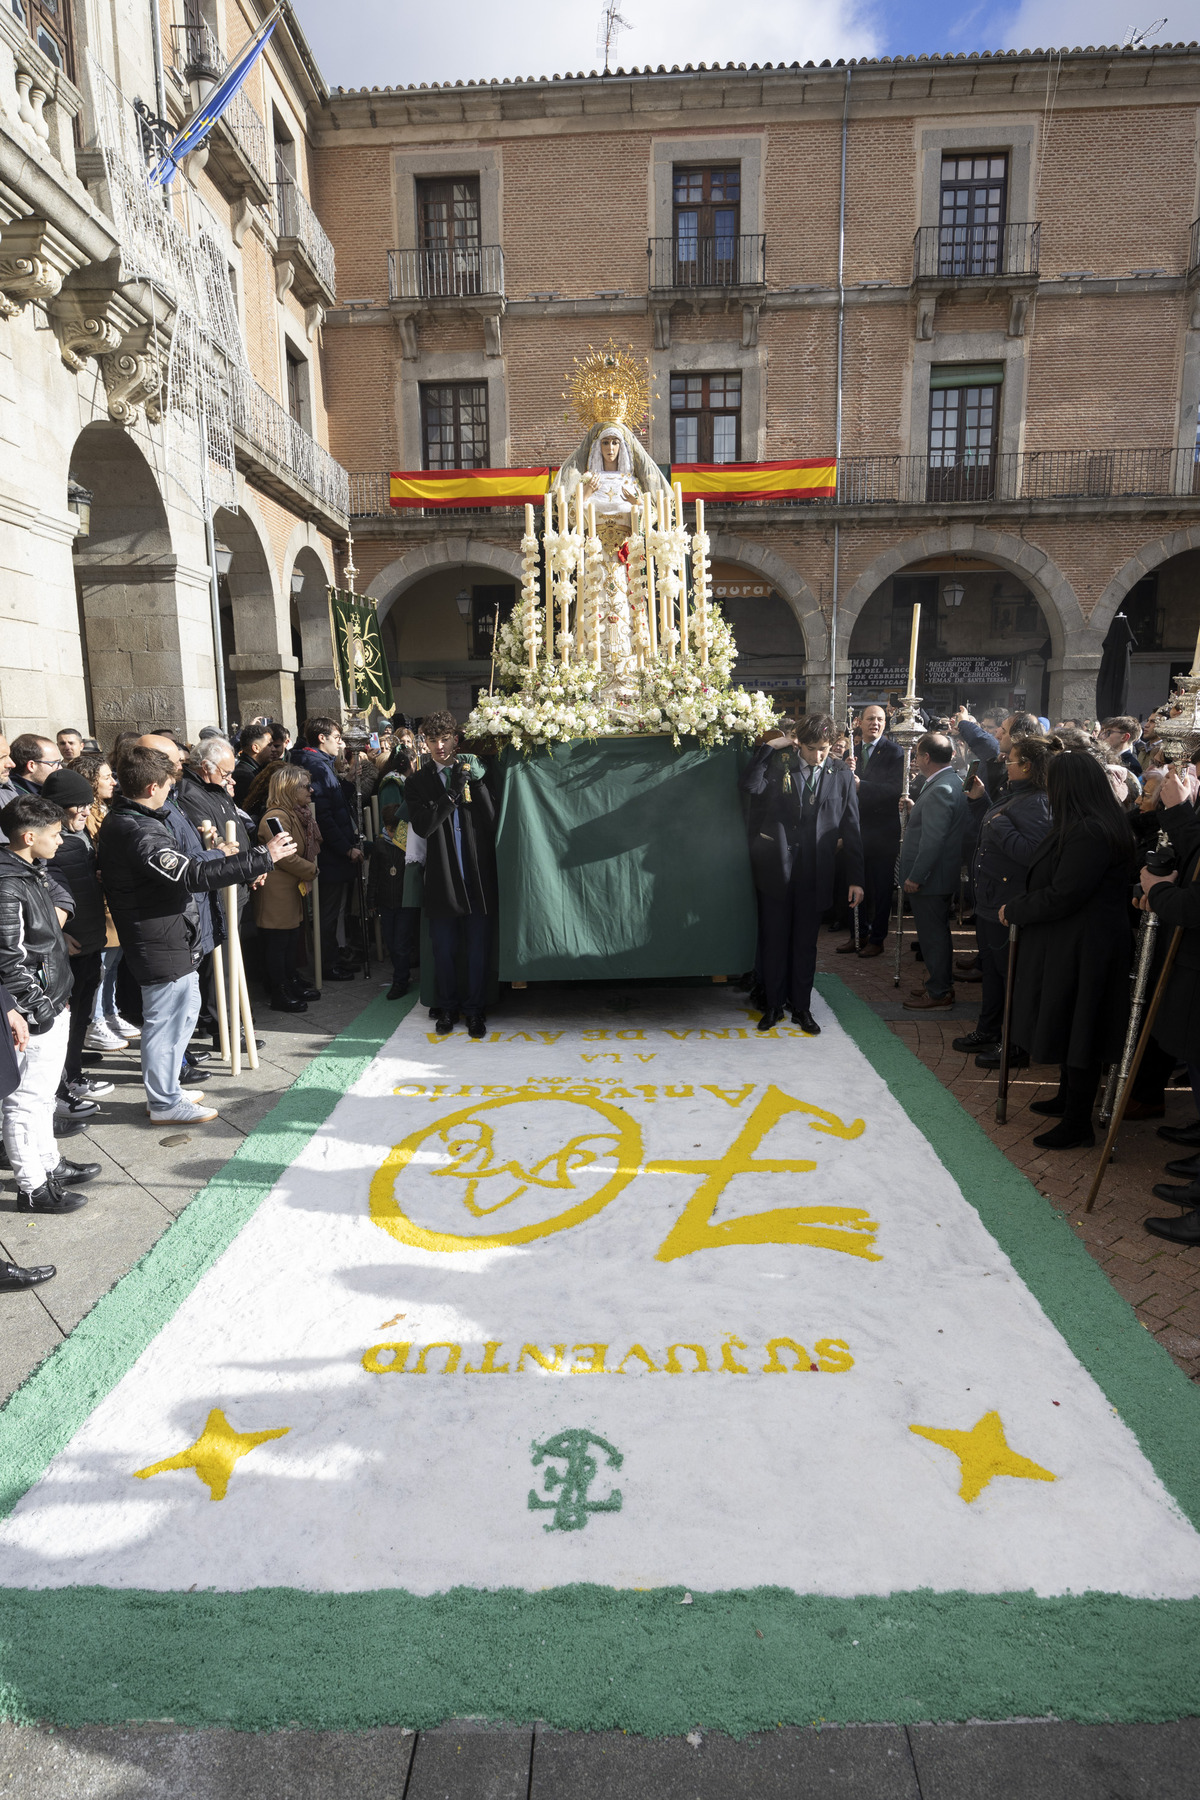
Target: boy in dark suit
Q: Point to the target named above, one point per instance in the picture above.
(801, 802)
(879, 778)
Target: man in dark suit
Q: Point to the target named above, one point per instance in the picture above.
(879, 778)
(801, 802)
(456, 817)
(930, 864)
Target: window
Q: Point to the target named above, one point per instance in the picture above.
(298, 391)
(706, 418)
(707, 215)
(48, 23)
(454, 425)
(285, 149)
(972, 219)
(964, 422)
(484, 604)
(448, 230)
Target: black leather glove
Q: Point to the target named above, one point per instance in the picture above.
(458, 779)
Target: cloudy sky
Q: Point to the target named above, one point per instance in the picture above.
(380, 42)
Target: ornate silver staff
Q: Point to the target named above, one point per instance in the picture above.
(1118, 1074)
(907, 730)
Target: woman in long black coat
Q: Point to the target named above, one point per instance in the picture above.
(1071, 996)
(1176, 900)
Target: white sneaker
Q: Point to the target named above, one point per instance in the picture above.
(88, 1087)
(192, 1095)
(101, 1036)
(184, 1114)
(72, 1108)
(122, 1027)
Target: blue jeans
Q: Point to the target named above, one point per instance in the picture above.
(445, 936)
(169, 1013)
(106, 994)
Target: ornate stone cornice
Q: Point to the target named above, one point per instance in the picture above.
(135, 376)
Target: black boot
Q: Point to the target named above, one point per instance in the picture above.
(49, 1198)
(1056, 1107)
(1075, 1132)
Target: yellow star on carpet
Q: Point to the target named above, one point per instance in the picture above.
(983, 1452)
(214, 1452)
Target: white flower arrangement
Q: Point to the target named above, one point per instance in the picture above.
(555, 703)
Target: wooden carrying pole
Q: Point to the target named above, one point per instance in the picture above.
(208, 835)
(239, 997)
(1146, 1034)
(1010, 981)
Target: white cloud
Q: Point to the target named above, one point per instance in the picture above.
(373, 42)
(1050, 24)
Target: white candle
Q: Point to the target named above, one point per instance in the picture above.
(912, 650)
(549, 581)
(1196, 657)
(649, 578)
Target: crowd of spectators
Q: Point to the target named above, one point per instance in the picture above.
(115, 875)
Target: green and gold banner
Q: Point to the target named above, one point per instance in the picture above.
(362, 669)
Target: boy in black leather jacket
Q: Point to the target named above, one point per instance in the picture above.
(36, 970)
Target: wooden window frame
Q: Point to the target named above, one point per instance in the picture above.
(705, 412)
(429, 392)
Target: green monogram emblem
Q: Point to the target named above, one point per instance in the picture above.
(572, 1506)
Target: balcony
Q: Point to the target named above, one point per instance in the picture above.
(690, 265)
(1194, 248)
(471, 272)
(303, 245)
(287, 461)
(976, 253)
(239, 157)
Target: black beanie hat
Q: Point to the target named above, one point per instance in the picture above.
(67, 788)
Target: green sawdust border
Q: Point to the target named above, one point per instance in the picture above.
(586, 1656)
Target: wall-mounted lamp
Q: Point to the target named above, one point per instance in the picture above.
(297, 581)
(463, 602)
(952, 592)
(224, 558)
(79, 501)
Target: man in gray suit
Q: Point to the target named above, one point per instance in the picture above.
(930, 860)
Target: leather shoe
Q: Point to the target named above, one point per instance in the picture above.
(397, 992)
(1066, 1137)
(337, 974)
(289, 1006)
(1181, 1134)
(192, 1077)
(445, 1023)
(871, 950)
(302, 992)
(770, 1018)
(917, 991)
(806, 1022)
(849, 948)
(1184, 1230)
(930, 1002)
(1142, 1109)
(1188, 1196)
(49, 1198)
(990, 1059)
(477, 1026)
(72, 1174)
(963, 963)
(1188, 1167)
(68, 1127)
(12, 1278)
(974, 1040)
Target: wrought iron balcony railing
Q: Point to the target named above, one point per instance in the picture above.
(295, 218)
(975, 252)
(271, 430)
(457, 273)
(1034, 475)
(1194, 247)
(197, 57)
(708, 262)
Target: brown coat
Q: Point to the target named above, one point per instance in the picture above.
(277, 903)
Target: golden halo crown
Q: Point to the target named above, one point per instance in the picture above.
(610, 387)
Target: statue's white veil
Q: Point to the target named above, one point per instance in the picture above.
(634, 460)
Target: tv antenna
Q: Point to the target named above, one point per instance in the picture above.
(1135, 37)
(610, 29)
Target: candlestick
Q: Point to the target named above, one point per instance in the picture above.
(649, 578)
(549, 580)
(912, 650)
(679, 503)
(1196, 657)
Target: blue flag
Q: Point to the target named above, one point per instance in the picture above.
(196, 129)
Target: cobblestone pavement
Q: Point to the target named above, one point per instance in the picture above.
(1161, 1281)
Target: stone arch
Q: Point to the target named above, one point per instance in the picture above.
(786, 581)
(1064, 615)
(125, 575)
(1148, 558)
(426, 559)
(249, 616)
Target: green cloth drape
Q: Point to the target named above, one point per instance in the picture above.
(623, 859)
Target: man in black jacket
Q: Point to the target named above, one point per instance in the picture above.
(36, 970)
(255, 750)
(75, 867)
(151, 883)
(879, 778)
(802, 801)
(457, 819)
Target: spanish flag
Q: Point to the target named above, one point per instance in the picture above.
(467, 487)
(813, 478)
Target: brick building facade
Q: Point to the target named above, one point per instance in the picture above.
(1019, 317)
